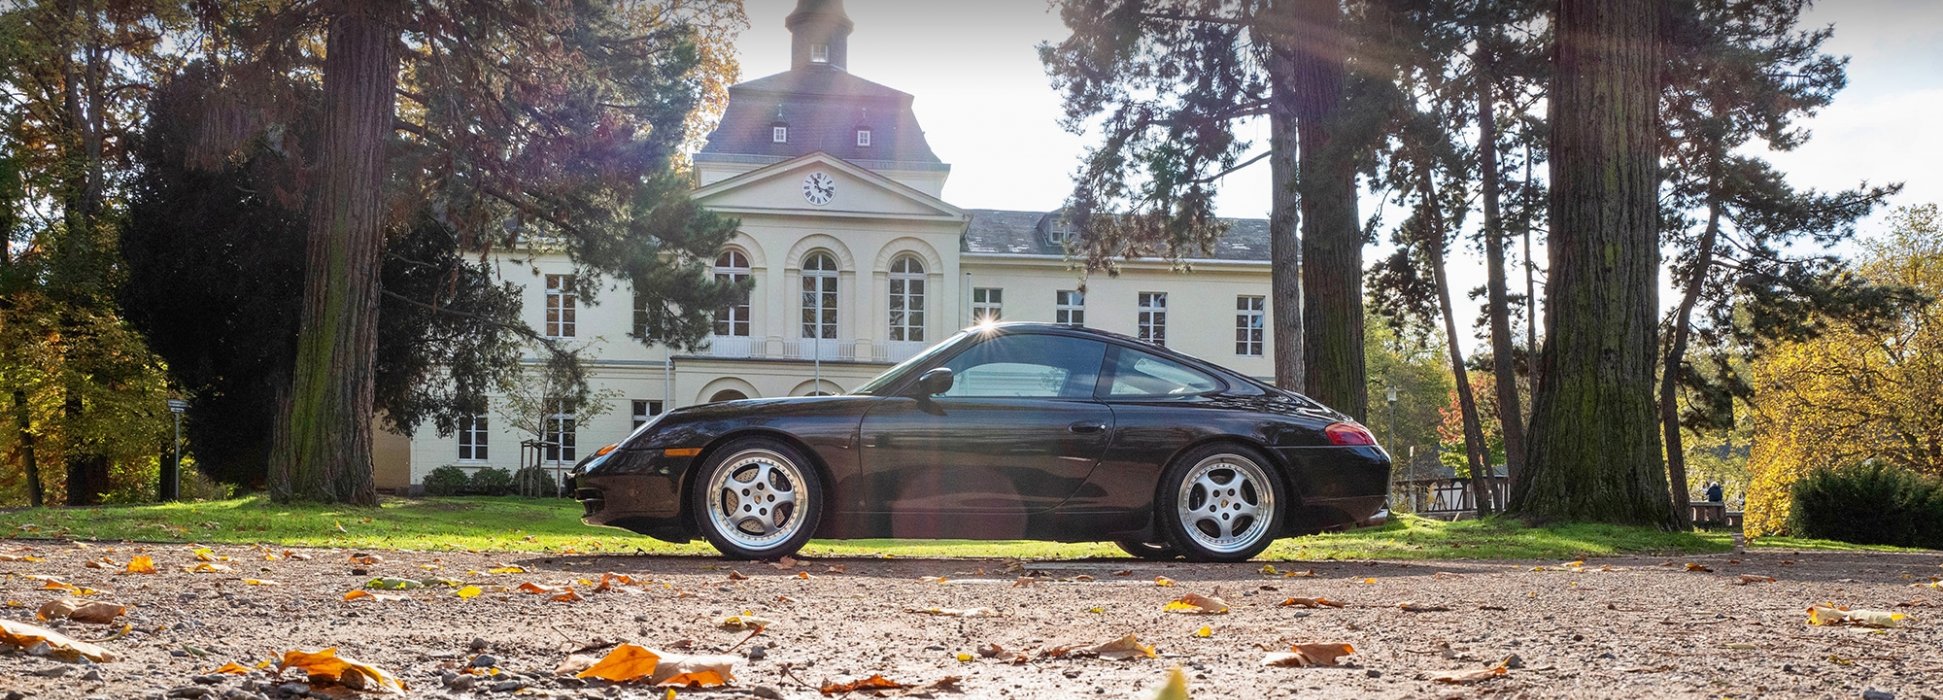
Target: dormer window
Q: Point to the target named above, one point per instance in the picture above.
(779, 133)
(1059, 232)
(863, 136)
(819, 53)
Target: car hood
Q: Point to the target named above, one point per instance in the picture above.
(786, 405)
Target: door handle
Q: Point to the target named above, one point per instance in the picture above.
(1087, 427)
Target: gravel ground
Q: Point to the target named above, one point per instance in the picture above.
(1620, 627)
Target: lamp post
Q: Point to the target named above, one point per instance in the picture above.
(172, 472)
(1393, 413)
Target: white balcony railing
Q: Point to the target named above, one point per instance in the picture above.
(726, 346)
(899, 351)
(735, 346)
(814, 349)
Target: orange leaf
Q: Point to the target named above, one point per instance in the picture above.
(233, 667)
(25, 636)
(537, 589)
(567, 597)
(326, 665)
(874, 682)
(1309, 655)
(141, 564)
(625, 663)
(1197, 604)
(705, 678)
(1311, 603)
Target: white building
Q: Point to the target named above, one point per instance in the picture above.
(858, 264)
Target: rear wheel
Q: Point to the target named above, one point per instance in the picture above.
(757, 499)
(1151, 551)
(1220, 503)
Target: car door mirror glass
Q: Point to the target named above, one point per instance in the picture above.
(935, 381)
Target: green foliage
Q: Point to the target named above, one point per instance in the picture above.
(447, 480)
(1869, 503)
(1409, 359)
(534, 481)
(490, 481)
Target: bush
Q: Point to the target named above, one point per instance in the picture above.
(445, 481)
(491, 481)
(1869, 503)
(534, 481)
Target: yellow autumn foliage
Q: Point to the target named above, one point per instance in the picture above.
(1854, 393)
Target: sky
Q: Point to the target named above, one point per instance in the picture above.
(988, 109)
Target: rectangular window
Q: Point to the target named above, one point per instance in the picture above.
(779, 134)
(819, 53)
(1153, 317)
(560, 303)
(863, 137)
(472, 438)
(560, 431)
(1069, 307)
(987, 304)
(645, 410)
(1248, 325)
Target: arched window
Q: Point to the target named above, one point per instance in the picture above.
(727, 395)
(820, 296)
(907, 300)
(732, 320)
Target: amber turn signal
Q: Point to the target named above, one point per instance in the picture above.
(609, 447)
(681, 451)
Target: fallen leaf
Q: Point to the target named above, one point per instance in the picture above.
(1195, 603)
(260, 582)
(737, 576)
(746, 620)
(468, 592)
(1175, 688)
(1269, 569)
(632, 662)
(1312, 603)
(19, 557)
(785, 563)
(26, 636)
(49, 583)
(375, 597)
(567, 596)
(392, 583)
(611, 581)
(1697, 566)
(232, 668)
(1369, 580)
(1205, 632)
(1025, 582)
(1305, 573)
(874, 682)
(1753, 578)
(1837, 615)
(1471, 676)
(325, 665)
(208, 568)
(1163, 581)
(507, 569)
(934, 579)
(1127, 647)
(1309, 655)
(537, 589)
(78, 610)
(805, 575)
(1411, 606)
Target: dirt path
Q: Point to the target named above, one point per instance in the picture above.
(1621, 627)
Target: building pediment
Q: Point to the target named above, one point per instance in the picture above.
(822, 185)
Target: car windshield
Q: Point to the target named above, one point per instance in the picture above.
(890, 376)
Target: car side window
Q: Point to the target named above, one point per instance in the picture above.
(1027, 365)
(1138, 374)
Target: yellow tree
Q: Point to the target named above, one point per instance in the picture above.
(1856, 392)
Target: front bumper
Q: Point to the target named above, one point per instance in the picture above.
(636, 490)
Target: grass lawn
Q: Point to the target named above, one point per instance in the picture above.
(553, 525)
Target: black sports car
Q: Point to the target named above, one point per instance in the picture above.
(1012, 431)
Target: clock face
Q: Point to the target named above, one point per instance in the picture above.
(819, 188)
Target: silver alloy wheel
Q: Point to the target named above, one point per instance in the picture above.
(1226, 503)
(756, 499)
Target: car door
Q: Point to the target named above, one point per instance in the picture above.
(1018, 432)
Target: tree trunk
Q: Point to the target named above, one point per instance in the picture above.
(23, 419)
(1474, 447)
(1511, 416)
(1332, 236)
(75, 281)
(1531, 285)
(1285, 252)
(1595, 450)
(1675, 364)
(324, 450)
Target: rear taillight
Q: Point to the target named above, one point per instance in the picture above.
(1347, 434)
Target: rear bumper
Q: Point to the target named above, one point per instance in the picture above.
(1338, 487)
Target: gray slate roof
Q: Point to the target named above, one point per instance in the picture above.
(1024, 232)
(823, 106)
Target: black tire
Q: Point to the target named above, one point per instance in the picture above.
(1234, 503)
(753, 484)
(1150, 551)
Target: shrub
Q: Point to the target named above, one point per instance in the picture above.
(534, 481)
(491, 481)
(445, 481)
(1869, 503)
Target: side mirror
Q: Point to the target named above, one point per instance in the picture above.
(934, 381)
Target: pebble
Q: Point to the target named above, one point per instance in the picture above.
(478, 644)
(445, 677)
(763, 691)
(461, 683)
(241, 694)
(757, 653)
(93, 674)
(210, 679)
(294, 689)
(484, 661)
(1873, 694)
(508, 686)
(53, 671)
(1373, 673)
(188, 691)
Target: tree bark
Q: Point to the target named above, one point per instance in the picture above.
(1675, 364)
(1474, 447)
(1285, 241)
(324, 450)
(1332, 236)
(1595, 448)
(24, 421)
(1511, 415)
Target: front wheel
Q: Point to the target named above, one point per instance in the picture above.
(1220, 503)
(757, 499)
